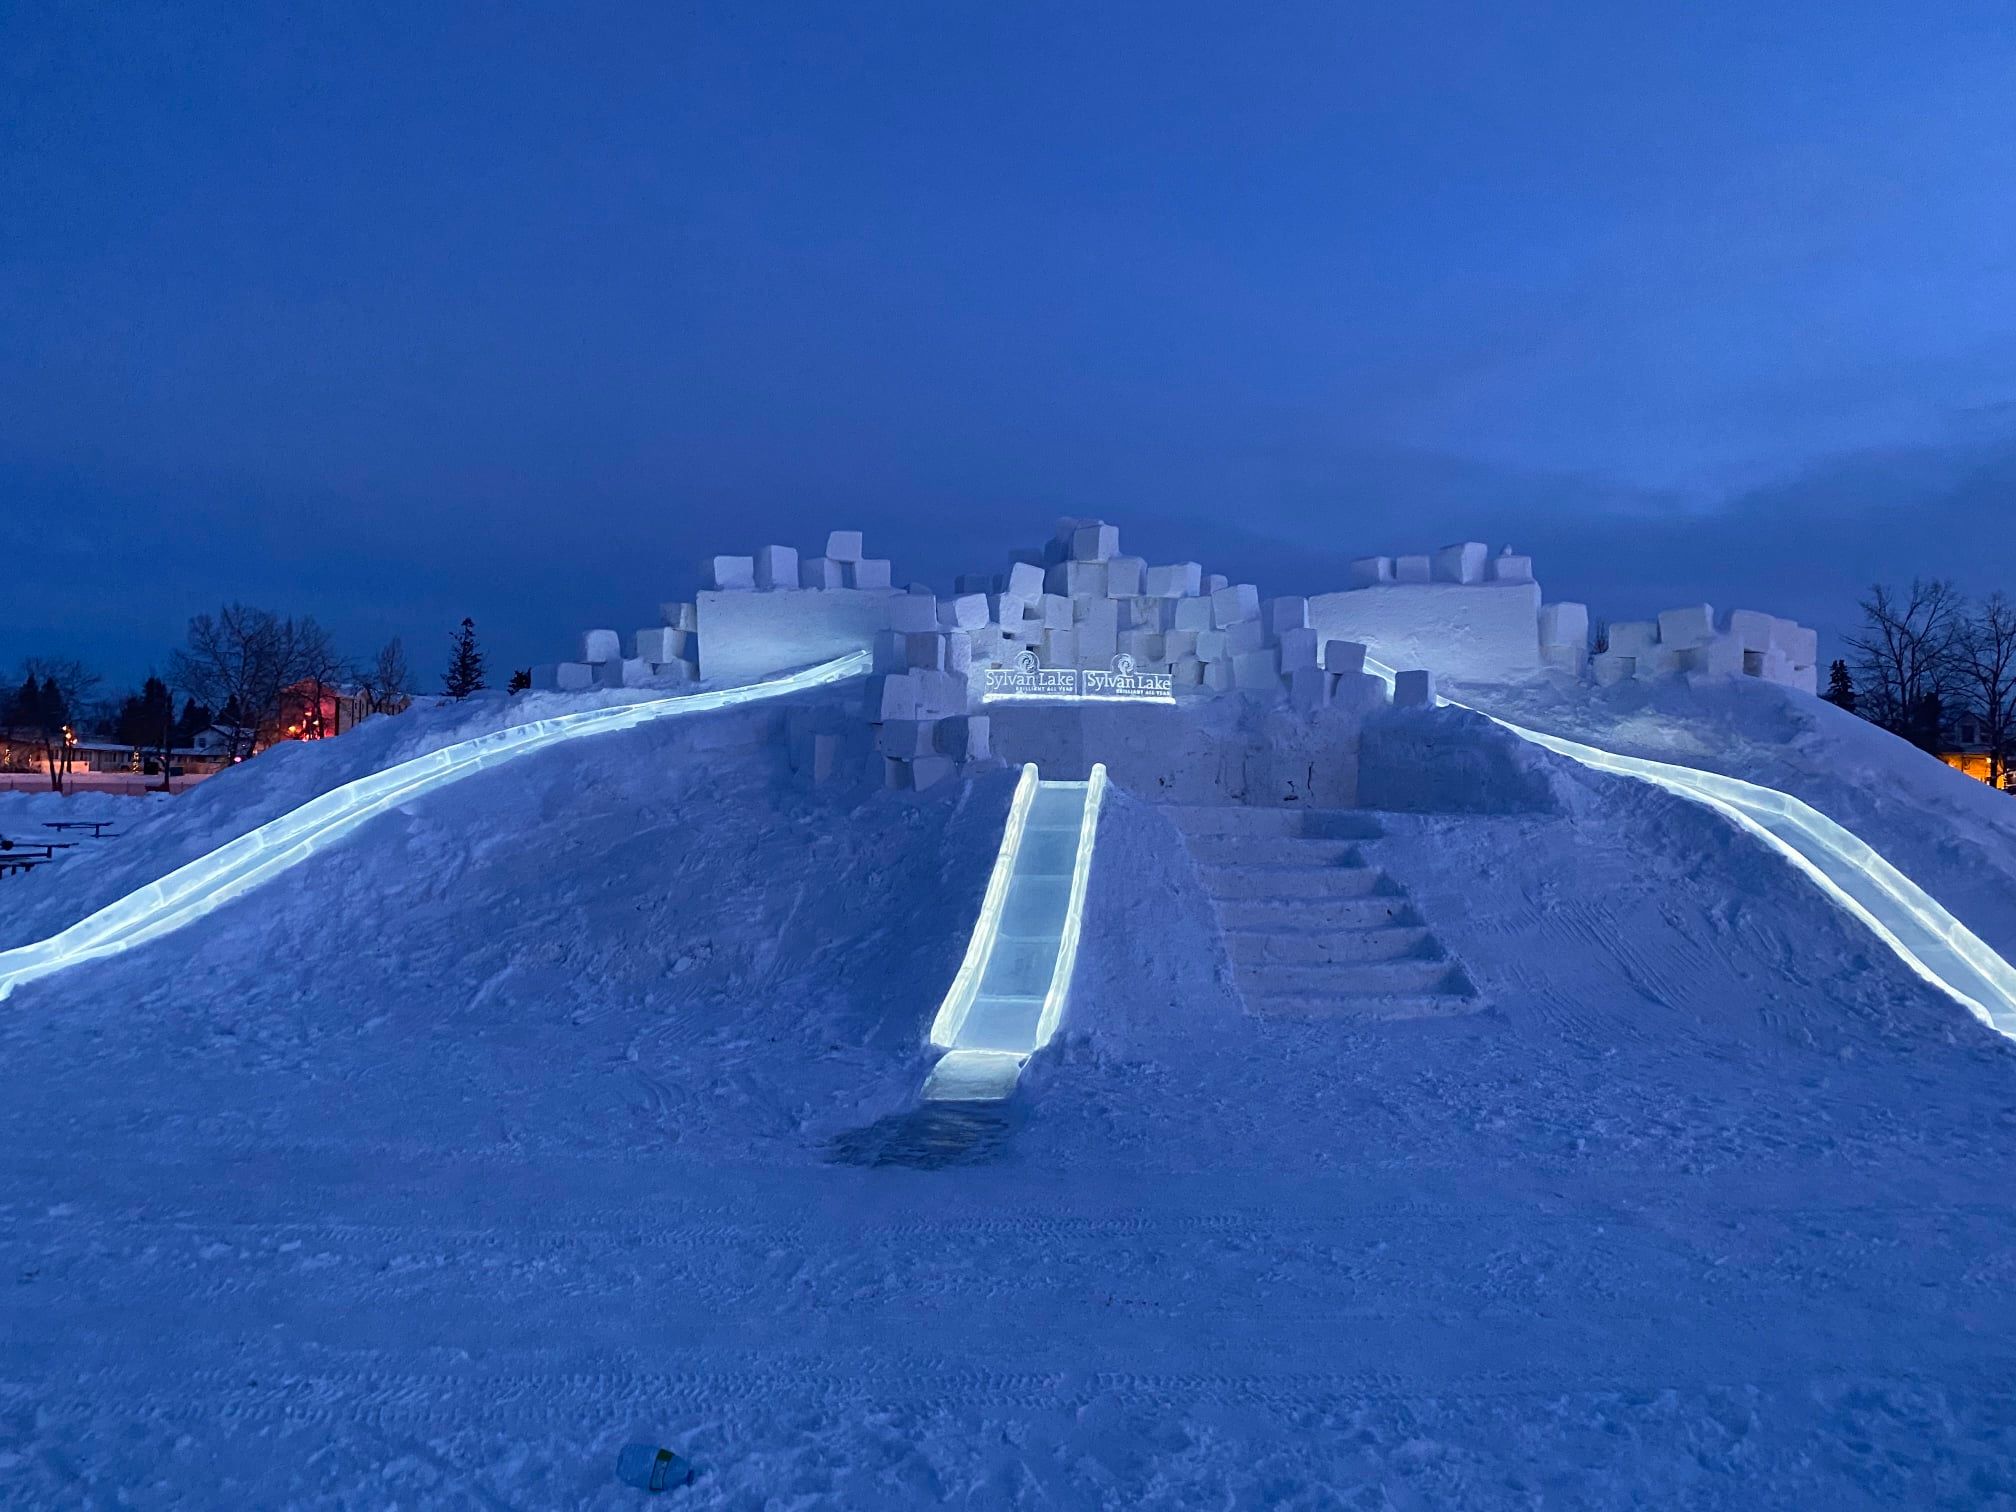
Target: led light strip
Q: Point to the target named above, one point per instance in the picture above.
(980, 944)
(1074, 910)
(1846, 868)
(198, 887)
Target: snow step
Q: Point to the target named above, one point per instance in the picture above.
(1274, 850)
(1395, 978)
(1351, 1006)
(1225, 883)
(1198, 819)
(1315, 915)
(1288, 946)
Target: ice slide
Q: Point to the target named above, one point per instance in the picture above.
(1008, 998)
(235, 868)
(1900, 913)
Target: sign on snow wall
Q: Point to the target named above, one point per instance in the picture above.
(1028, 681)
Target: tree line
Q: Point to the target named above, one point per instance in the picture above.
(1929, 657)
(235, 672)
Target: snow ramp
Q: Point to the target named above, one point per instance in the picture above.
(1009, 996)
(201, 886)
(1851, 872)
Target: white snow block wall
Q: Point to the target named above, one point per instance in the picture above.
(744, 636)
(1744, 643)
(1470, 629)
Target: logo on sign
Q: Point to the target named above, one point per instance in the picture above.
(1029, 680)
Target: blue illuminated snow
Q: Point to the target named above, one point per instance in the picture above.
(207, 883)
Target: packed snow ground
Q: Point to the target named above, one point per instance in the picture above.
(577, 1104)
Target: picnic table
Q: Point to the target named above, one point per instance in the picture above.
(96, 826)
(11, 863)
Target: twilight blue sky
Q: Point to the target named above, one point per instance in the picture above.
(391, 313)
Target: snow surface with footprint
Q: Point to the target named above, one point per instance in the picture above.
(546, 1113)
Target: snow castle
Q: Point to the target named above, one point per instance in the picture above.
(1185, 683)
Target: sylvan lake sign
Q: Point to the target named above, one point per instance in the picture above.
(1028, 681)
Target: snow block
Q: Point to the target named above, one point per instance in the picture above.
(1341, 656)
(968, 611)
(1211, 646)
(966, 738)
(844, 546)
(1721, 656)
(1479, 631)
(661, 644)
(924, 650)
(1192, 614)
(1308, 688)
(1359, 691)
(1511, 567)
(1213, 581)
(821, 572)
(905, 739)
(1123, 577)
(1751, 628)
(893, 697)
(891, 651)
(913, 612)
(940, 695)
(777, 567)
(1025, 581)
(1658, 661)
(1461, 563)
(1298, 649)
(1247, 635)
(1412, 569)
(1799, 643)
(867, 573)
(1632, 637)
(1186, 672)
(601, 645)
(1693, 625)
(1177, 580)
(1096, 542)
(730, 573)
(1231, 604)
(1100, 614)
(1218, 676)
(1057, 612)
(1078, 579)
(1370, 572)
(1414, 689)
(1564, 624)
(1060, 648)
(1177, 644)
(1257, 671)
(1285, 614)
(929, 771)
(1610, 668)
(1098, 642)
(573, 677)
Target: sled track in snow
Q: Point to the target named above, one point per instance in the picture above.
(198, 887)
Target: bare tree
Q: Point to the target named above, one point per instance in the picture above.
(387, 685)
(53, 696)
(1907, 656)
(1987, 665)
(242, 660)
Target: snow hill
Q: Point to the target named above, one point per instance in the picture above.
(577, 1104)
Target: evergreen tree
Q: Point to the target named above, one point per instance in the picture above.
(194, 720)
(24, 709)
(1840, 686)
(146, 719)
(465, 666)
(521, 681)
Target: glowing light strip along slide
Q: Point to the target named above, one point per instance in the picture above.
(1900, 913)
(984, 1061)
(198, 887)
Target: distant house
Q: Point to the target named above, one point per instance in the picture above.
(315, 710)
(1969, 751)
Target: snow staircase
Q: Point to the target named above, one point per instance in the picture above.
(1314, 930)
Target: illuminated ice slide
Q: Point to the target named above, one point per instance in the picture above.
(1008, 998)
(1900, 913)
(233, 869)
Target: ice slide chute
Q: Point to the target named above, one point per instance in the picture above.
(197, 887)
(1900, 913)
(1009, 996)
